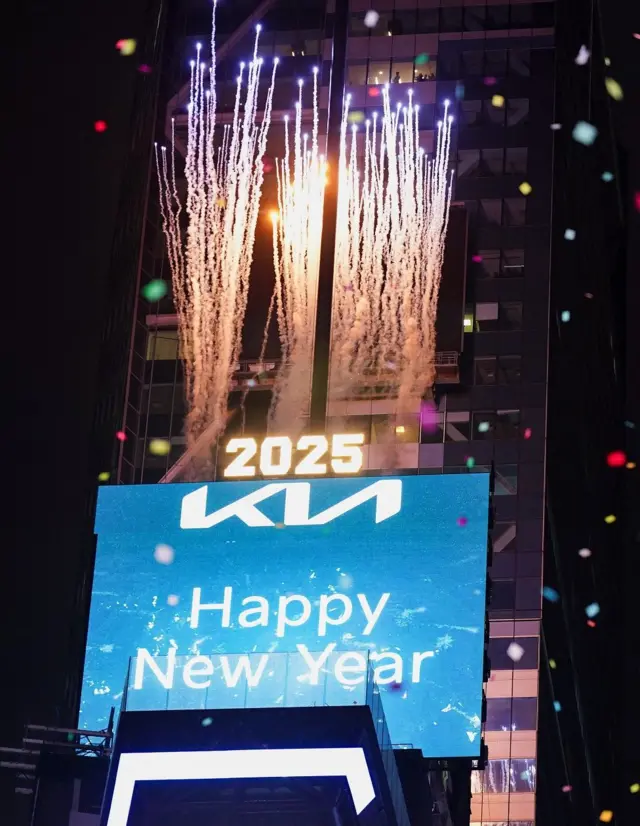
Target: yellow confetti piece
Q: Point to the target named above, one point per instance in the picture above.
(159, 447)
(126, 47)
(104, 476)
(630, 465)
(552, 663)
(634, 788)
(610, 519)
(606, 815)
(607, 62)
(525, 188)
(497, 101)
(614, 88)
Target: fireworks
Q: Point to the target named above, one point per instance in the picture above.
(211, 261)
(393, 213)
(297, 232)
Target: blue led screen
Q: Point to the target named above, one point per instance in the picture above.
(347, 573)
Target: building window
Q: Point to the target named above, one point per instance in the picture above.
(163, 345)
(424, 70)
(357, 27)
(492, 316)
(470, 110)
(509, 368)
(378, 73)
(473, 19)
(504, 776)
(428, 20)
(493, 115)
(517, 111)
(516, 160)
(495, 62)
(512, 263)
(485, 370)
(490, 212)
(497, 18)
(512, 713)
(521, 16)
(457, 428)
(472, 63)
(491, 161)
(405, 22)
(515, 212)
(401, 72)
(507, 424)
(356, 74)
(503, 597)
(432, 428)
(503, 537)
(468, 163)
(448, 65)
(519, 62)
(506, 480)
(451, 19)
(490, 263)
(500, 659)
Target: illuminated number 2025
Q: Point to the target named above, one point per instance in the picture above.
(276, 455)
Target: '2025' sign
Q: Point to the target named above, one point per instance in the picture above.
(277, 455)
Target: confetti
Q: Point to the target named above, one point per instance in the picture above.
(636, 201)
(585, 553)
(527, 433)
(567, 788)
(221, 202)
(121, 436)
(583, 56)
(490, 81)
(550, 593)
(588, 295)
(421, 59)
(591, 624)
(373, 92)
(459, 91)
(471, 462)
(606, 815)
(126, 47)
(629, 424)
(100, 126)
(173, 600)
(565, 315)
(592, 610)
(483, 427)
(552, 664)
(462, 521)
(610, 519)
(525, 188)
(607, 177)
(477, 259)
(371, 19)
(515, 652)
(569, 234)
(614, 88)
(145, 69)
(164, 554)
(104, 476)
(497, 101)
(555, 126)
(607, 62)
(207, 721)
(159, 447)
(155, 290)
(356, 116)
(630, 465)
(616, 458)
(429, 417)
(557, 706)
(634, 788)
(584, 133)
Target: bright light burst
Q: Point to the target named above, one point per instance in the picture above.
(211, 261)
(393, 213)
(297, 232)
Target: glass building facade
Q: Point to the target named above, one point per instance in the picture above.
(495, 61)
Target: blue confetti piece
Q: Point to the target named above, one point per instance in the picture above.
(569, 234)
(550, 593)
(592, 610)
(565, 315)
(584, 133)
(607, 177)
(557, 706)
(459, 91)
(629, 424)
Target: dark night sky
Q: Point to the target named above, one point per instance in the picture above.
(62, 193)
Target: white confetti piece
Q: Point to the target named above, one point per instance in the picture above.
(515, 652)
(569, 234)
(164, 554)
(584, 133)
(582, 58)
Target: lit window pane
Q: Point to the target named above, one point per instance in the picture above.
(356, 74)
(379, 73)
(162, 345)
(402, 72)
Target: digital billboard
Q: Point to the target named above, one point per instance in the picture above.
(352, 575)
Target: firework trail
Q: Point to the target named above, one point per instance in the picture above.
(393, 214)
(210, 262)
(297, 232)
